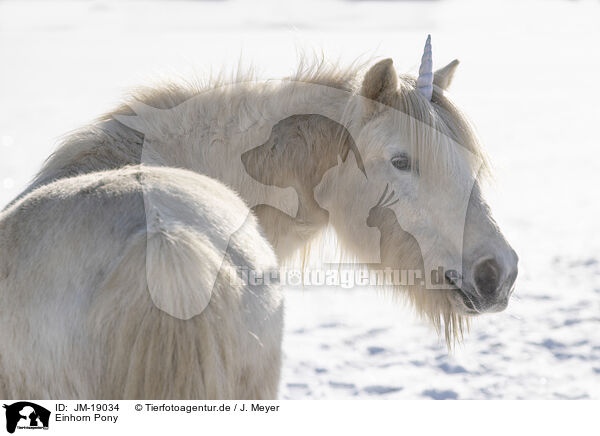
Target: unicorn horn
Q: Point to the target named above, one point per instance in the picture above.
(425, 80)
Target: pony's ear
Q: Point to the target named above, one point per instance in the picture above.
(380, 80)
(443, 77)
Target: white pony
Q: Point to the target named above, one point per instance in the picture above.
(110, 271)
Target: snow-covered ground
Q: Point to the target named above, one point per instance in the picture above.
(529, 81)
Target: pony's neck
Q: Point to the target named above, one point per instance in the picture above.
(272, 145)
(300, 149)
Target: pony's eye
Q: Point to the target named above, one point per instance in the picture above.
(401, 162)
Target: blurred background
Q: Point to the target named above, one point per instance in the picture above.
(528, 79)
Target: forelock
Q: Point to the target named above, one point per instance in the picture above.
(436, 130)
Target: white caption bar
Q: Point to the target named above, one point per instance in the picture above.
(301, 417)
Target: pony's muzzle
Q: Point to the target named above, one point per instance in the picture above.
(493, 281)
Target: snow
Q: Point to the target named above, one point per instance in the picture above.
(528, 79)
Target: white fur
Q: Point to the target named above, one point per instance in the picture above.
(77, 258)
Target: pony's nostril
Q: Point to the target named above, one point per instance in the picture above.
(487, 276)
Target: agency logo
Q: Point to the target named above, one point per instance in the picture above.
(26, 415)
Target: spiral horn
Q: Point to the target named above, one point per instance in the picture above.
(425, 79)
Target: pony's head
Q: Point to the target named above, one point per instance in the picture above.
(418, 205)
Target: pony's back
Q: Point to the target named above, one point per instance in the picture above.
(81, 271)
